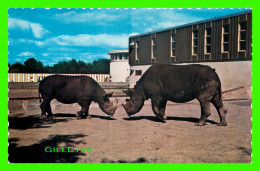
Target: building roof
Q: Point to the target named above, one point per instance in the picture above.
(190, 24)
(118, 51)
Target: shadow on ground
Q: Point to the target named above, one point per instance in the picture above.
(36, 153)
(32, 121)
(155, 119)
(245, 150)
(102, 117)
(139, 160)
(64, 115)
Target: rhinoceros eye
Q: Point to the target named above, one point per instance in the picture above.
(106, 106)
(130, 104)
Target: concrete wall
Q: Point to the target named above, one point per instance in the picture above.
(235, 76)
(119, 70)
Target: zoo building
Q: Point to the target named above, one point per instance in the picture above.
(224, 43)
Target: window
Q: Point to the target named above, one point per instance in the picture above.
(138, 72)
(173, 45)
(207, 40)
(242, 36)
(120, 56)
(137, 50)
(153, 47)
(225, 38)
(115, 57)
(112, 57)
(195, 42)
(125, 56)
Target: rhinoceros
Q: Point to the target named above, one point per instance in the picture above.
(177, 83)
(74, 89)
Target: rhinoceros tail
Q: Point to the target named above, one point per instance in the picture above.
(220, 95)
(39, 91)
(39, 94)
(217, 98)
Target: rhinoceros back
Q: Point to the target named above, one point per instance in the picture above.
(178, 83)
(68, 89)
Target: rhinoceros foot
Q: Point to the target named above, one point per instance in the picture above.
(222, 123)
(163, 119)
(201, 123)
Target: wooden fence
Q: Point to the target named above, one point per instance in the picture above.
(35, 77)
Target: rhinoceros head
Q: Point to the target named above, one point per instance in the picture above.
(106, 106)
(135, 103)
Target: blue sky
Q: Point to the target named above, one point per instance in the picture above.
(53, 35)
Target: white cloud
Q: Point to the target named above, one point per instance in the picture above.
(164, 25)
(61, 49)
(22, 24)
(61, 58)
(133, 34)
(119, 41)
(92, 57)
(67, 58)
(37, 29)
(63, 41)
(27, 54)
(87, 17)
(45, 54)
(143, 20)
(36, 42)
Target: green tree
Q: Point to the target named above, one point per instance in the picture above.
(33, 66)
(48, 69)
(16, 68)
(101, 66)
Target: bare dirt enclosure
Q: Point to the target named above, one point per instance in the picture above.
(141, 138)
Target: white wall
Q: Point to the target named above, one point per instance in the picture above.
(119, 70)
(233, 75)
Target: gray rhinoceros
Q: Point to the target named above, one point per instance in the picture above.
(177, 83)
(74, 89)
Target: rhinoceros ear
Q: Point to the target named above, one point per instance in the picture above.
(106, 97)
(109, 94)
(128, 92)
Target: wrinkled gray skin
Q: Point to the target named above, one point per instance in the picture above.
(74, 89)
(177, 83)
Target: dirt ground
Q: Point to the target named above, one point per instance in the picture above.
(141, 138)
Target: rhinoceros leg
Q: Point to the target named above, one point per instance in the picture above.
(43, 108)
(158, 106)
(79, 114)
(205, 112)
(84, 109)
(46, 107)
(217, 102)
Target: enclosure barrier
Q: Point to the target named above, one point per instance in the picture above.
(36, 77)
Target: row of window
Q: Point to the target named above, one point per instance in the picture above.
(242, 27)
(119, 56)
(242, 31)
